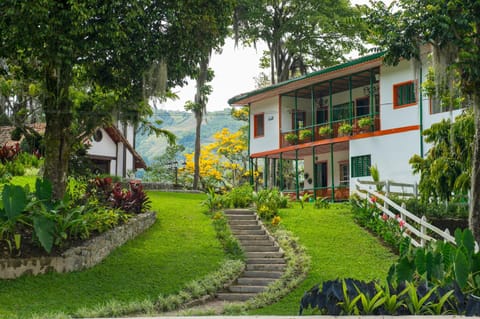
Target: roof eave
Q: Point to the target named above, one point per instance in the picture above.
(295, 83)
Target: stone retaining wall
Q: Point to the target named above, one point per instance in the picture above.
(81, 257)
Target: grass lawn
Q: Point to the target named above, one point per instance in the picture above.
(180, 247)
(338, 249)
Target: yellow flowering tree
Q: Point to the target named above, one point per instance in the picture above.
(223, 162)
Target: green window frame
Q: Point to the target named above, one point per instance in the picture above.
(404, 94)
(361, 165)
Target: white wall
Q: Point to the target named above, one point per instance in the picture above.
(106, 147)
(400, 117)
(270, 140)
(390, 153)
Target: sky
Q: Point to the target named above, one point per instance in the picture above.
(235, 69)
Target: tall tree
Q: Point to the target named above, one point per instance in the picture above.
(300, 34)
(218, 21)
(452, 29)
(94, 59)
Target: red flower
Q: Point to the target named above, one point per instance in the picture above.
(373, 199)
(385, 217)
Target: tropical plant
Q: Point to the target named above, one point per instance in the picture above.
(291, 138)
(305, 198)
(305, 134)
(241, 196)
(451, 30)
(344, 129)
(322, 202)
(325, 130)
(365, 122)
(268, 202)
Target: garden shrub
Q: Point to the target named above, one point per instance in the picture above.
(241, 196)
(34, 218)
(369, 216)
(268, 202)
(355, 297)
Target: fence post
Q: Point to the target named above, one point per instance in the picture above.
(415, 190)
(387, 188)
(423, 230)
(446, 231)
(402, 215)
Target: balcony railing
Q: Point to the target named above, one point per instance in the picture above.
(339, 128)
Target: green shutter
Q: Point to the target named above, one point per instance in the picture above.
(361, 165)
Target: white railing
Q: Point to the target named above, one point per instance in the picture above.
(393, 188)
(419, 234)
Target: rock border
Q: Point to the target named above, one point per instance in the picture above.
(87, 255)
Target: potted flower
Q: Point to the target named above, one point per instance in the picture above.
(291, 138)
(325, 131)
(344, 129)
(305, 135)
(365, 123)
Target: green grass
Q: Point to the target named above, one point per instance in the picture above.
(338, 249)
(180, 247)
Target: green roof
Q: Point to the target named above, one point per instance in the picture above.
(306, 76)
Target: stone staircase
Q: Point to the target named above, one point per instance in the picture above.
(264, 258)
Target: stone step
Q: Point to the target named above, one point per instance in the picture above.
(245, 227)
(253, 281)
(243, 222)
(248, 232)
(245, 238)
(259, 242)
(265, 261)
(264, 254)
(259, 248)
(241, 217)
(239, 288)
(235, 296)
(265, 267)
(239, 212)
(262, 274)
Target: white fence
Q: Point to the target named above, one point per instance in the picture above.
(418, 229)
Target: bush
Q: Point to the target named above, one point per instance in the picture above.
(241, 196)
(268, 202)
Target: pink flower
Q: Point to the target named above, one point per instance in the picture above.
(385, 217)
(401, 223)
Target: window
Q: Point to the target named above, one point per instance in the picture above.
(362, 106)
(322, 115)
(344, 174)
(361, 165)
(341, 112)
(404, 94)
(300, 118)
(258, 125)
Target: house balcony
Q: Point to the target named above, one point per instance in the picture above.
(318, 132)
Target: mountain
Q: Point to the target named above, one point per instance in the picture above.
(182, 124)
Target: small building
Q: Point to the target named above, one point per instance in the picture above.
(112, 149)
(321, 132)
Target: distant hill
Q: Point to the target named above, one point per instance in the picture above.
(182, 124)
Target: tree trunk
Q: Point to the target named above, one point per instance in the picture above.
(58, 137)
(474, 213)
(196, 155)
(200, 109)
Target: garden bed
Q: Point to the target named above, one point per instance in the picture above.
(85, 255)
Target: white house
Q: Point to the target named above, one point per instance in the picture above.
(328, 165)
(112, 150)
